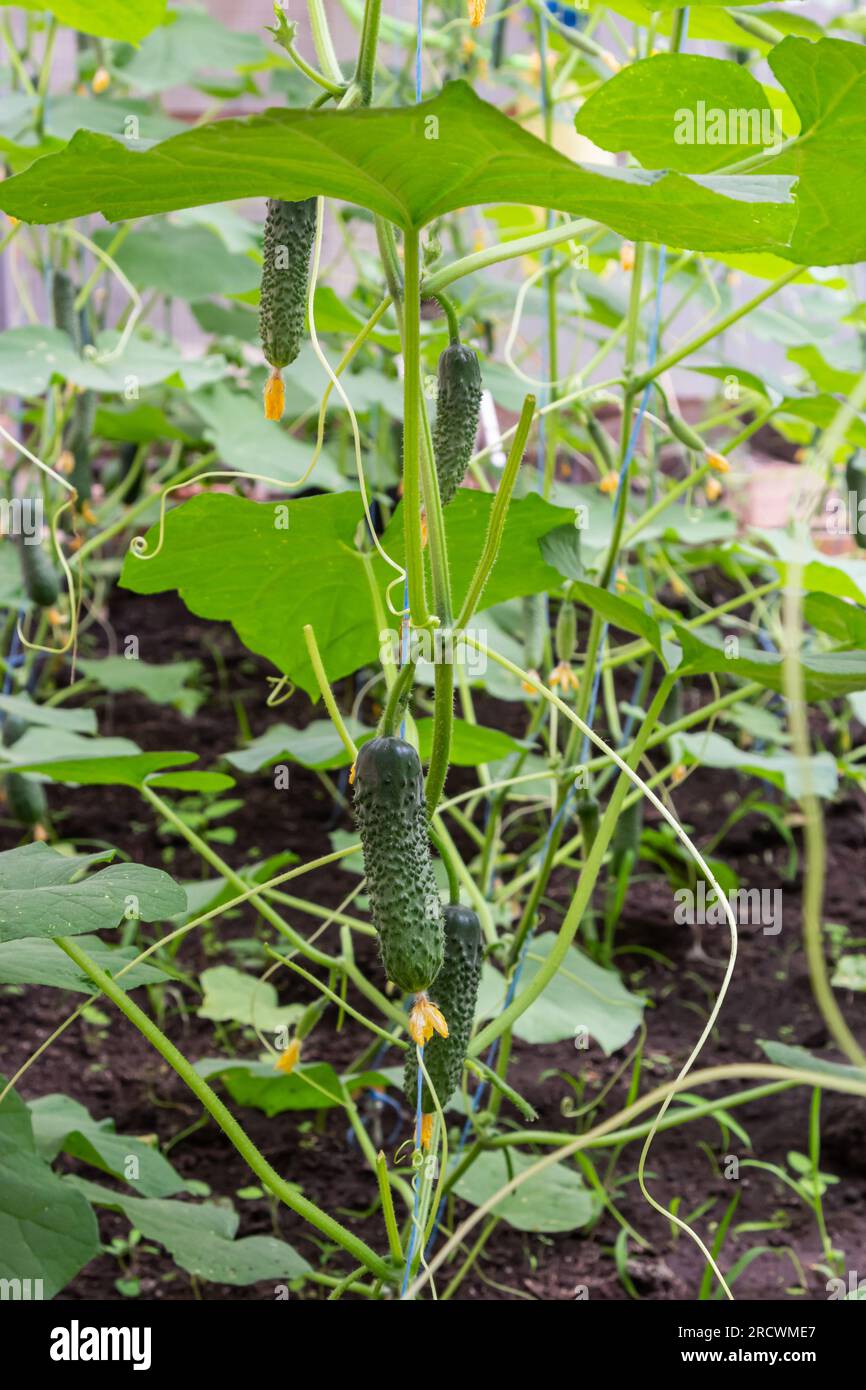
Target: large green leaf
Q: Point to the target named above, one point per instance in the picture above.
(31, 356)
(555, 1200)
(186, 262)
(62, 1125)
(639, 109)
(780, 769)
(827, 82)
(110, 19)
(37, 962)
(410, 164)
(47, 1229)
(309, 571)
(825, 674)
(39, 899)
(233, 996)
(200, 1237)
(581, 1000)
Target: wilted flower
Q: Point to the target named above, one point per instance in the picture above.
(289, 1057)
(425, 1019)
(275, 396)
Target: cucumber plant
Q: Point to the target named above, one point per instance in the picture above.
(555, 556)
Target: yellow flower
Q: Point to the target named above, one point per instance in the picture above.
(621, 583)
(352, 772)
(717, 462)
(562, 675)
(467, 46)
(713, 489)
(87, 513)
(289, 1057)
(679, 773)
(275, 396)
(101, 80)
(626, 256)
(423, 529)
(426, 1131)
(56, 618)
(66, 462)
(527, 687)
(609, 483)
(476, 12)
(425, 1019)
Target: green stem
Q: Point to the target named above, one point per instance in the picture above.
(323, 43)
(211, 1102)
(412, 434)
(365, 70)
(498, 513)
(676, 355)
(398, 698)
(443, 720)
(327, 693)
(446, 304)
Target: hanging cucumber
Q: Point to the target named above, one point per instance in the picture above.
(456, 991)
(77, 439)
(566, 631)
(39, 575)
(290, 229)
(392, 820)
(589, 818)
(458, 403)
(25, 799)
(626, 836)
(63, 294)
(535, 630)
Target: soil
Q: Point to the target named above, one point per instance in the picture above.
(107, 1065)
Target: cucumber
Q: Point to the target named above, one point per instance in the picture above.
(77, 439)
(40, 577)
(566, 631)
(290, 230)
(456, 992)
(589, 817)
(391, 814)
(535, 628)
(13, 728)
(63, 294)
(626, 836)
(25, 799)
(458, 403)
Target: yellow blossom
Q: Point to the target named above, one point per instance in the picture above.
(626, 256)
(352, 772)
(609, 483)
(289, 1057)
(65, 462)
(39, 832)
(476, 12)
(713, 489)
(621, 583)
(717, 462)
(101, 80)
(562, 675)
(275, 396)
(87, 513)
(679, 773)
(426, 1131)
(527, 687)
(425, 1019)
(423, 530)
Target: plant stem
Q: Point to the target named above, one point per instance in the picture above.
(233, 1131)
(365, 70)
(411, 433)
(327, 693)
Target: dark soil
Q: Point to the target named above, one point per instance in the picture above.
(109, 1066)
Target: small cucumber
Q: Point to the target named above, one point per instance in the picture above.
(535, 628)
(455, 992)
(566, 631)
(626, 836)
(290, 229)
(458, 403)
(589, 817)
(392, 820)
(25, 799)
(40, 577)
(13, 728)
(63, 294)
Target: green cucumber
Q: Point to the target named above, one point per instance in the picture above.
(391, 813)
(589, 818)
(63, 294)
(535, 628)
(566, 631)
(40, 577)
(456, 993)
(626, 836)
(290, 229)
(13, 728)
(25, 799)
(77, 439)
(458, 403)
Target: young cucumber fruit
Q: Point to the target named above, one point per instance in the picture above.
(458, 403)
(39, 575)
(25, 799)
(290, 229)
(455, 993)
(392, 820)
